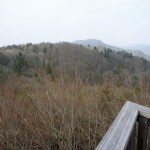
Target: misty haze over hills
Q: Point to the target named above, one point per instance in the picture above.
(97, 43)
(57, 93)
(140, 50)
(141, 47)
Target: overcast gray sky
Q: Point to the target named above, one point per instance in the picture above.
(116, 22)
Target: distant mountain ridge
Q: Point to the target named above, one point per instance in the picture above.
(97, 43)
(140, 47)
(139, 50)
(138, 53)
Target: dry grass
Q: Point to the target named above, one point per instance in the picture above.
(39, 113)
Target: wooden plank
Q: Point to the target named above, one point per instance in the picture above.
(142, 133)
(127, 131)
(143, 111)
(132, 142)
(122, 126)
(148, 137)
(109, 134)
(107, 137)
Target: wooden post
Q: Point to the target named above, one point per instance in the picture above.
(132, 142)
(148, 137)
(142, 133)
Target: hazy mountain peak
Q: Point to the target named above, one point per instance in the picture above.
(97, 43)
(94, 41)
(140, 50)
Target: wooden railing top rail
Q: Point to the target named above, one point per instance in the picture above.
(143, 111)
(118, 135)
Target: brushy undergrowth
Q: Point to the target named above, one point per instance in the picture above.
(41, 113)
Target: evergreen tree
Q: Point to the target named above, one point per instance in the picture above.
(20, 64)
(49, 69)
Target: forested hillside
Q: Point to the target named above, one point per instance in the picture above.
(65, 96)
(94, 62)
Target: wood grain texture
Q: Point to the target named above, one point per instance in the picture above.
(132, 141)
(127, 131)
(143, 111)
(118, 135)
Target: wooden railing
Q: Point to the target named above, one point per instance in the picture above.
(129, 131)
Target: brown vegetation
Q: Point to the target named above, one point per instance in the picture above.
(41, 113)
(65, 96)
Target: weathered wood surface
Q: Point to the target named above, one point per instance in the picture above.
(121, 134)
(132, 140)
(148, 140)
(126, 131)
(142, 133)
(118, 135)
(143, 111)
